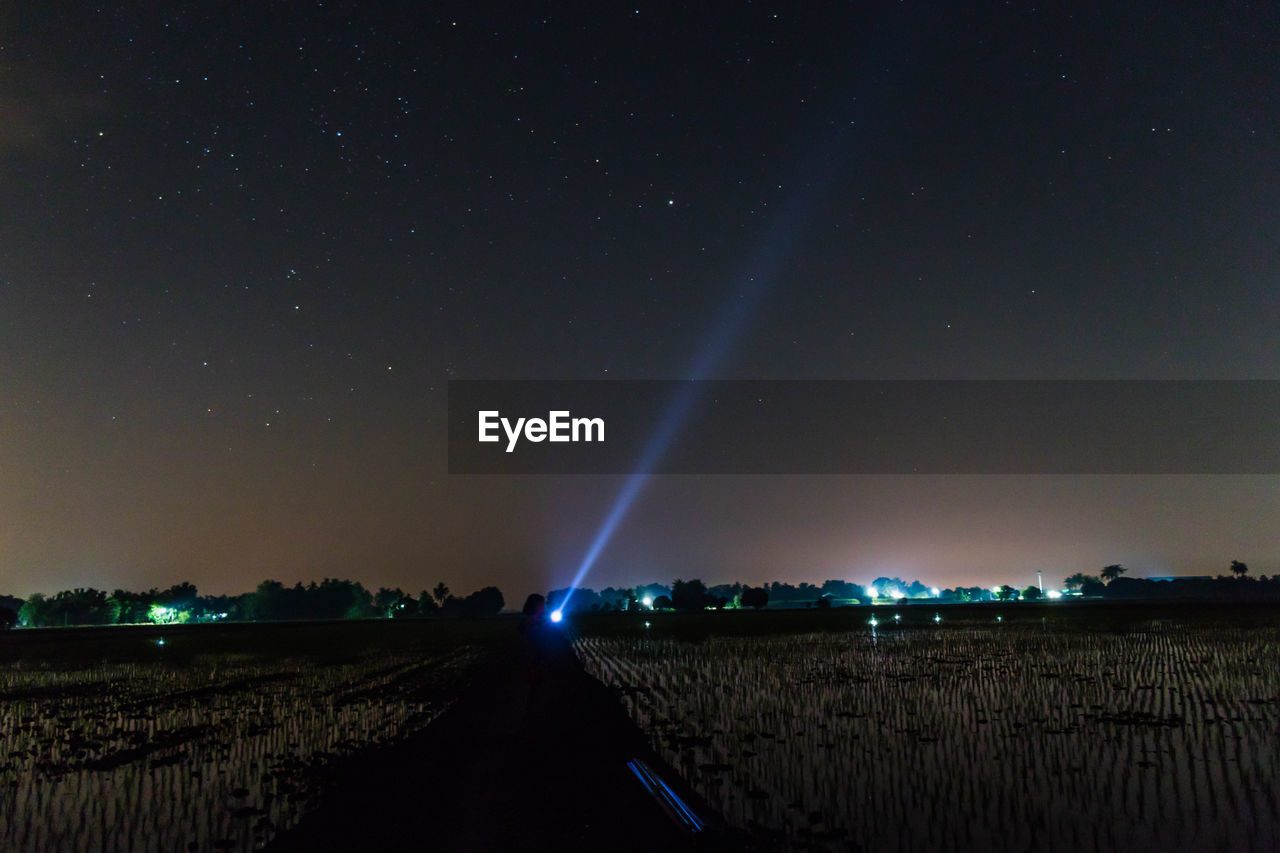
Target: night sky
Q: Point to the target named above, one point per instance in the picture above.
(243, 250)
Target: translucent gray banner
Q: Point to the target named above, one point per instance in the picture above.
(864, 427)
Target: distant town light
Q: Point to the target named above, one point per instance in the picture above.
(1054, 593)
(871, 592)
(873, 622)
(648, 602)
(897, 617)
(937, 617)
(936, 592)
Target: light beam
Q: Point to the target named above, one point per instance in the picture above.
(827, 162)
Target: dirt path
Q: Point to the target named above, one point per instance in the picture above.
(533, 756)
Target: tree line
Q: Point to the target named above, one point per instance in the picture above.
(694, 594)
(1108, 583)
(344, 599)
(1238, 584)
(332, 598)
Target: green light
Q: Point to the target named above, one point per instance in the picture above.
(164, 615)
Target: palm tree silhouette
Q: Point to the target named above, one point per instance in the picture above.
(1110, 573)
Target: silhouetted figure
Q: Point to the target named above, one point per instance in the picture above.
(534, 608)
(546, 650)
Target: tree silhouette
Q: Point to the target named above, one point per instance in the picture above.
(534, 606)
(180, 595)
(34, 610)
(755, 596)
(1079, 579)
(441, 592)
(1110, 573)
(132, 607)
(1238, 568)
(1031, 593)
(688, 595)
(267, 601)
(81, 607)
(483, 603)
(1093, 587)
(387, 601)
(404, 608)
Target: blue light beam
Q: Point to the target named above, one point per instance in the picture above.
(730, 323)
(826, 163)
(671, 802)
(652, 454)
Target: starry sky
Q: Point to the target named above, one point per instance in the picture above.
(244, 248)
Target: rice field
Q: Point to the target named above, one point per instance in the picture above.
(978, 736)
(208, 751)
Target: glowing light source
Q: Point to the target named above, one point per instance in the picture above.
(936, 592)
(937, 617)
(873, 622)
(556, 615)
(1054, 593)
(164, 615)
(648, 602)
(897, 617)
(871, 592)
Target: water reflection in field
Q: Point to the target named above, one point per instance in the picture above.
(999, 737)
(218, 753)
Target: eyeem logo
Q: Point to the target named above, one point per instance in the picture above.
(557, 427)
